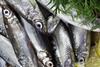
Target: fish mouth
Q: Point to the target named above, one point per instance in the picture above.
(49, 64)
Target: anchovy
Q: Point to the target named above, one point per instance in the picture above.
(7, 52)
(2, 62)
(64, 49)
(29, 12)
(38, 44)
(82, 44)
(17, 36)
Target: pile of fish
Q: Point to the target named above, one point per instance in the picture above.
(31, 36)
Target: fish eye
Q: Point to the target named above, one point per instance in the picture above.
(6, 12)
(81, 60)
(49, 64)
(38, 24)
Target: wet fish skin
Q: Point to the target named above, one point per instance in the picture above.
(66, 57)
(52, 23)
(38, 43)
(29, 12)
(2, 27)
(2, 62)
(51, 20)
(82, 44)
(7, 52)
(17, 37)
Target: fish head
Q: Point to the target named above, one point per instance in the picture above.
(35, 14)
(37, 19)
(84, 47)
(82, 55)
(81, 60)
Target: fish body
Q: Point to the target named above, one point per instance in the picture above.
(38, 43)
(2, 62)
(17, 36)
(52, 23)
(64, 47)
(7, 52)
(26, 9)
(82, 44)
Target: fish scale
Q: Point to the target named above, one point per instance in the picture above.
(64, 46)
(82, 44)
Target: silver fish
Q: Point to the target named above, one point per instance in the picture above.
(7, 52)
(2, 62)
(64, 47)
(82, 44)
(29, 12)
(17, 36)
(38, 44)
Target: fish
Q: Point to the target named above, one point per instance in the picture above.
(38, 44)
(7, 52)
(64, 50)
(82, 44)
(17, 36)
(2, 62)
(32, 13)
